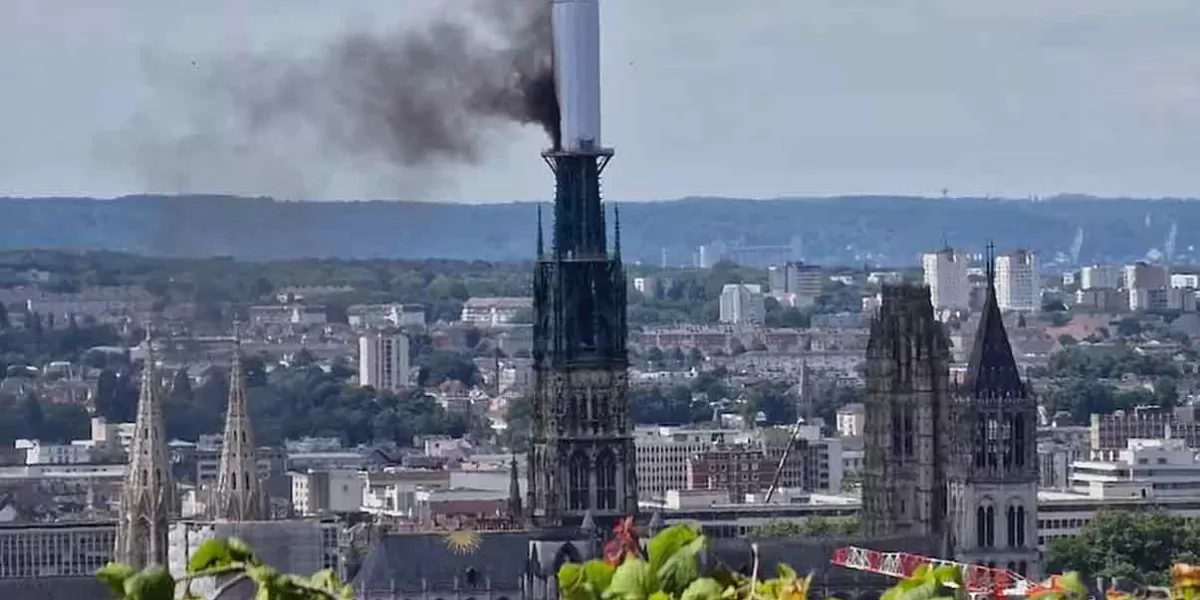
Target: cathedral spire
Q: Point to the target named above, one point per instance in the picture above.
(239, 495)
(540, 245)
(148, 495)
(991, 369)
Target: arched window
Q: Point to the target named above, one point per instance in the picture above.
(1020, 526)
(606, 481)
(1012, 526)
(981, 527)
(577, 481)
(990, 521)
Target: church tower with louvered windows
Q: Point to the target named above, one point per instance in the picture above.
(239, 495)
(149, 494)
(994, 476)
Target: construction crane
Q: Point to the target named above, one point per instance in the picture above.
(980, 581)
(787, 450)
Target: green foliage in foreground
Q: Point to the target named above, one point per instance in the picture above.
(231, 561)
(670, 570)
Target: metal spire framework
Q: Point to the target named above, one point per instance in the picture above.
(239, 494)
(149, 494)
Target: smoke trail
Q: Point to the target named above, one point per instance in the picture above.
(275, 123)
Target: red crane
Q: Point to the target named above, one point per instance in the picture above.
(979, 580)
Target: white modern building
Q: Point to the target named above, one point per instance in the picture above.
(1146, 468)
(946, 276)
(742, 304)
(383, 361)
(490, 312)
(1100, 277)
(318, 492)
(1185, 280)
(40, 453)
(1017, 285)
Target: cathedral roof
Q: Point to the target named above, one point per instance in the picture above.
(991, 369)
(440, 561)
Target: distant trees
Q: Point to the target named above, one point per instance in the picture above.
(1138, 546)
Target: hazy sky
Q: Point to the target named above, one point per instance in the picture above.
(755, 99)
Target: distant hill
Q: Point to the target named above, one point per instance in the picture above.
(845, 230)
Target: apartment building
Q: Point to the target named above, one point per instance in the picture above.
(1101, 277)
(946, 276)
(383, 361)
(799, 281)
(1018, 287)
(490, 312)
(742, 304)
(663, 454)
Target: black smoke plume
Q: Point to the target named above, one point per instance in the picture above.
(394, 105)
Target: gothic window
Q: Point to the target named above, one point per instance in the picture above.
(1019, 440)
(577, 481)
(245, 481)
(1021, 526)
(606, 481)
(993, 440)
(990, 521)
(981, 526)
(1012, 526)
(980, 441)
(909, 434)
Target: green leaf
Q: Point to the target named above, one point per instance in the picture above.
(785, 572)
(659, 596)
(682, 567)
(570, 581)
(326, 580)
(668, 542)
(239, 551)
(115, 574)
(633, 580)
(154, 583)
(598, 574)
(703, 589)
(211, 554)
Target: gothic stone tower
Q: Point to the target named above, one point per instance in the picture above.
(239, 495)
(993, 481)
(907, 427)
(581, 457)
(148, 495)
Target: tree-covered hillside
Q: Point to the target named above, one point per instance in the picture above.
(845, 231)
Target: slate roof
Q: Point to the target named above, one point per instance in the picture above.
(991, 369)
(431, 560)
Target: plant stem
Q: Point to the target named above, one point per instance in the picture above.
(228, 585)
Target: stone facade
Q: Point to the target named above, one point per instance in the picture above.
(907, 427)
(994, 477)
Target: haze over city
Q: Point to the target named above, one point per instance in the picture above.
(760, 99)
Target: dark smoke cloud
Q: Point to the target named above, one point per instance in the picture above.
(424, 97)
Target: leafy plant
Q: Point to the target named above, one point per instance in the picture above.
(230, 561)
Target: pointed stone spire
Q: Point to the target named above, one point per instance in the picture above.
(239, 494)
(514, 491)
(149, 494)
(540, 243)
(991, 368)
(588, 526)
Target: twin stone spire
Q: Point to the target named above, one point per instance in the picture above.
(148, 497)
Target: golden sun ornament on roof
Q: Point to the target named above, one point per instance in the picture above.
(463, 541)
